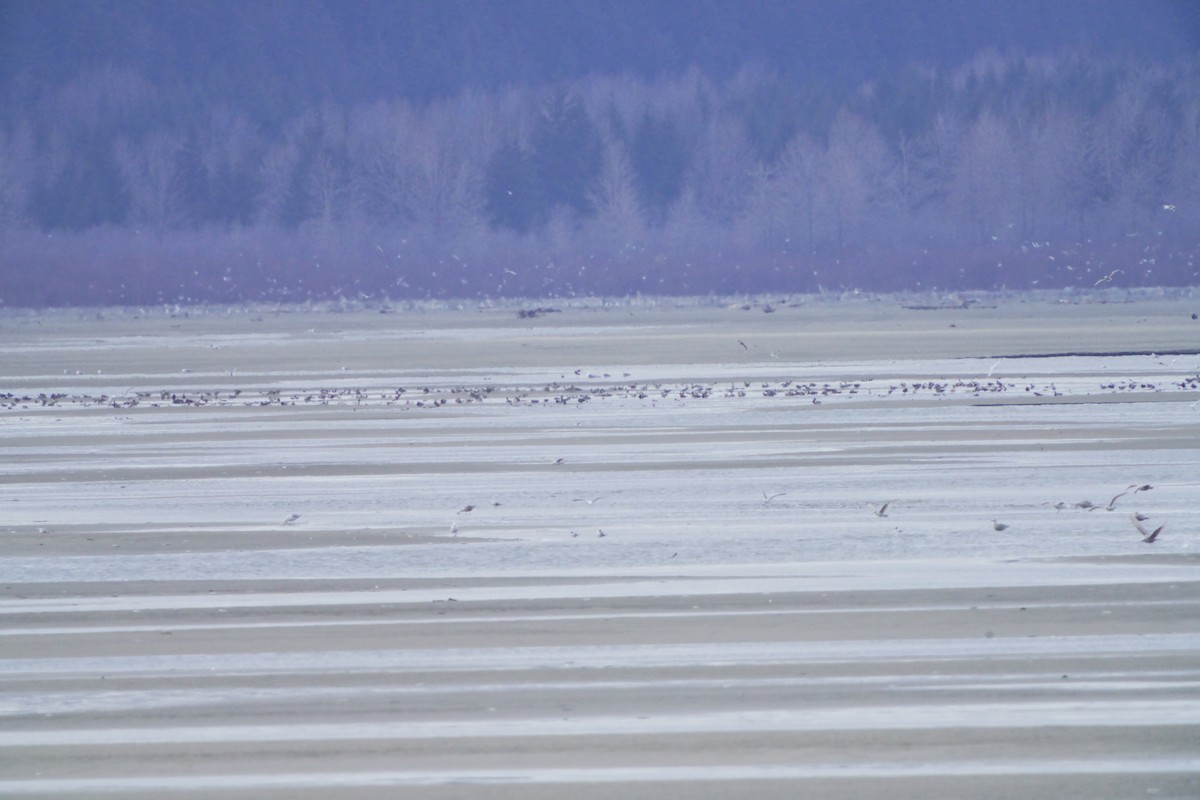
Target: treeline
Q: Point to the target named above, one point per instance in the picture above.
(1005, 172)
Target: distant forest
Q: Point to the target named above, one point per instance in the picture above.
(1003, 170)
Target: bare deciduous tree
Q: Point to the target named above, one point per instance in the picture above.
(153, 180)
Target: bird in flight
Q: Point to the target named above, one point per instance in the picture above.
(743, 344)
(291, 520)
(1107, 277)
(1112, 504)
(882, 510)
(1148, 536)
(466, 508)
(768, 498)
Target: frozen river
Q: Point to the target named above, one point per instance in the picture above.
(260, 553)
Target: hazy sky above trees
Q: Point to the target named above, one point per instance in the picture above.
(267, 51)
(166, 150)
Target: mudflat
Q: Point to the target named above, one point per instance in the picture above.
(854, 547)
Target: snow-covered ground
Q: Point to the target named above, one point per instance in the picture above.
(412, 504)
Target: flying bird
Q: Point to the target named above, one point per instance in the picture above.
(1086, 505)
(1148, 536)
(1107, 277)
(882, 510)
(1112, 504)
(768, 498)
(999, 526)
(291, 520)
(466, 508)
(1138, 516)
(743, 344)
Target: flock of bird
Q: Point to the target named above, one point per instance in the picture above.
(1137, 518)
(569, 393)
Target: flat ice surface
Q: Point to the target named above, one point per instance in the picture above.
(274, 552)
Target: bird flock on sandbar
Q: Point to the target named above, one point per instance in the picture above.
(596, 386)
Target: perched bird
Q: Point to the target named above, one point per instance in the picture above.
(454, 528)
(882, 510)
(601, 533)
(999, 526)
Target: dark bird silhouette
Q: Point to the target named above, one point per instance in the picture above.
(882, 510)
(743, 344)
(466, 508)
(1148, 536)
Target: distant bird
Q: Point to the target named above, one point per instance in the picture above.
(559, 460)
(466, 508)
(768, 498)
(999, 526)
(1086, 505)
(587, 500)
(291, 520)
(1060, 505)
(1138, 516)
(1107, 277)
(1148, 536)
(1112, 504)
(601, 533)
(743, 344)
(454, 528)
(882, 510)
(1145, 487)
(993, 369)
